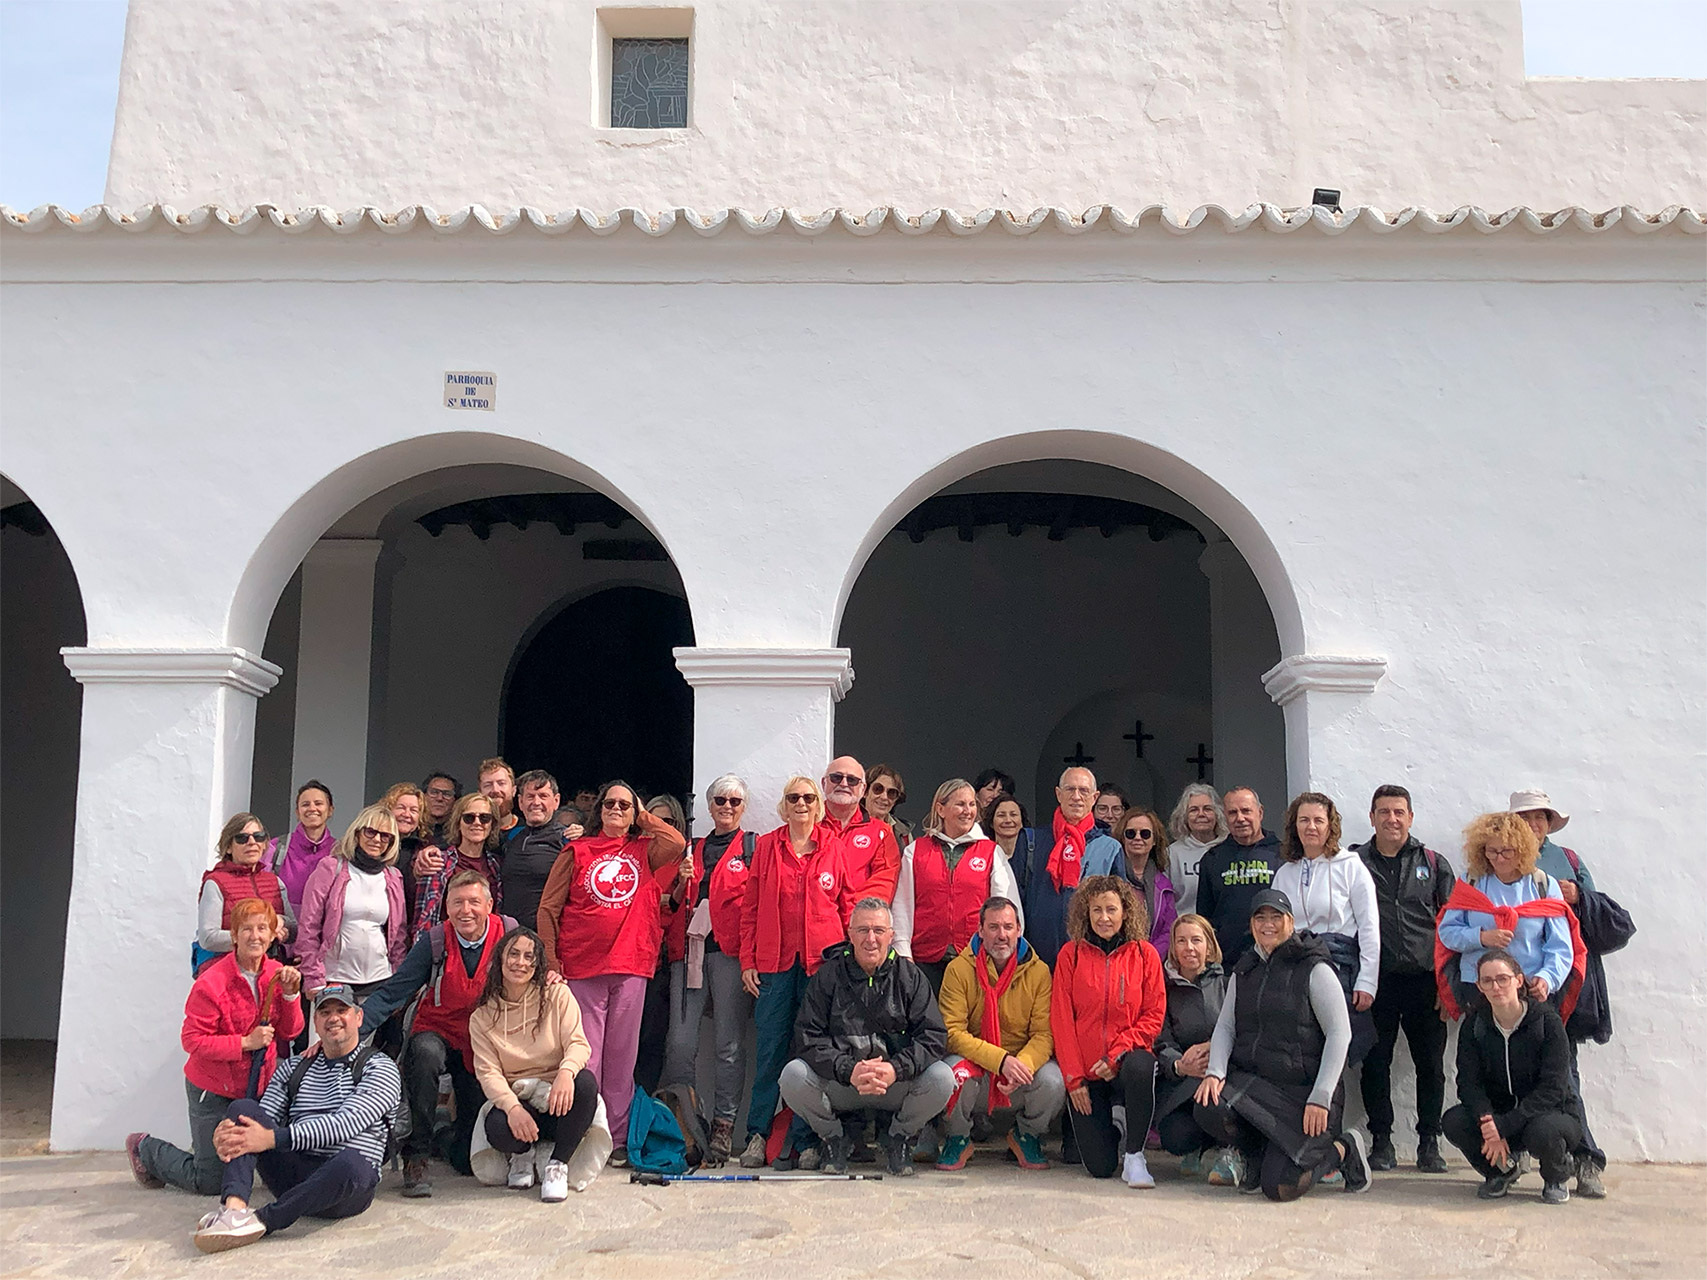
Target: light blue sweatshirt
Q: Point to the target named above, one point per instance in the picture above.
(1541, 944)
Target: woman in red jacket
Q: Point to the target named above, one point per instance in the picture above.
(796, 904)
(601, 923)
(240, 1005)
(1106, 1006)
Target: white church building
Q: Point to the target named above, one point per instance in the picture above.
(1285, 394)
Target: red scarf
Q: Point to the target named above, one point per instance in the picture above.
(1067, 858)
(1466, 897)
(989, 1028)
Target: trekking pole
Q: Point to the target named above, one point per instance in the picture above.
(665, 1179)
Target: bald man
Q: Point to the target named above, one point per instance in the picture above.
(870, 856)
(1054, 861)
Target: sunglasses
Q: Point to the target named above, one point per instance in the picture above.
(727, 802)
(1139, 833)
(373, 833)
(476, 819)
(879, 790)
(800, 797)
(619, 806)
(844, 779)
(249, 837)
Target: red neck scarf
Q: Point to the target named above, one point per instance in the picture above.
(1067, 858)
(1466, 897)
(989, 1029)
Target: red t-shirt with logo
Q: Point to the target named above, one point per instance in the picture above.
(611, 922)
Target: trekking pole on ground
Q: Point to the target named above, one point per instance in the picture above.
(665, 1179)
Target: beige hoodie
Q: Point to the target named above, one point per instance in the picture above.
(506, 1047)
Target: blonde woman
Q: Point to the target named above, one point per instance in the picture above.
(353, 926)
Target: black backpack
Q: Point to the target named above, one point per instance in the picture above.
(293, 1086)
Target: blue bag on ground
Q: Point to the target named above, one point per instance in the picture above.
(654, 1138)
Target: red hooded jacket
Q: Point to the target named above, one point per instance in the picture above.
(772, 934)
(222, 1010)
(1103, 1005)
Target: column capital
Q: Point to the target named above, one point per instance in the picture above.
(828, 668)
(1303, 673)
(236, 668)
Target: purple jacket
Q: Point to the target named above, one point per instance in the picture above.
(296, 861)
(1163, 913)
(322, 914)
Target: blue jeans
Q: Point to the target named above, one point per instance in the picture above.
(774, 1012)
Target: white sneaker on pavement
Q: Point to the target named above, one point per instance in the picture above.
(228, 1229)
(1135, 1173)
(521, 1171)
(554, 1184)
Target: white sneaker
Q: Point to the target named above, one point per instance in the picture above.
(1135, 1172)
(521, 1171)
(228, 1229)
(554, 1186)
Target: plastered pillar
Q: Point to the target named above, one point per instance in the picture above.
(1250, 738)
(167, 736)
(764, 714)
(334, 666)
(1325, 696)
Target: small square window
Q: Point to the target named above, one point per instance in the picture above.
(648, 84)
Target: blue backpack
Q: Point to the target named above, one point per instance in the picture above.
(654, 1138)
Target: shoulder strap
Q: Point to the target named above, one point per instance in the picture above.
(749, 842)
(510, 923)
(293, 1083)
(1576, 862)
(360, 1060)
(1433, 859)
(437, 935)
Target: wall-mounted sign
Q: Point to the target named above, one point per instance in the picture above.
(471, 390)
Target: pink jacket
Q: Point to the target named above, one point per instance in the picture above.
(222, 1010)
(323, 913)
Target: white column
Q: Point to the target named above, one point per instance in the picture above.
(1249, 745)
(167, 738)
(334, 664)
(764, 714)
(1326, 700)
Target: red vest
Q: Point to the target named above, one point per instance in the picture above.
(945, 903)
(236, 884)
(452, 995)
(611, 922)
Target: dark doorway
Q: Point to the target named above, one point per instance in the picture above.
(596, 694)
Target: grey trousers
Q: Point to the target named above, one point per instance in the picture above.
(822, 1103)
(1037, 1103)
(731, 1014)
(198, 1170)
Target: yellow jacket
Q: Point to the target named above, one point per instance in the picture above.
(1023, 1010)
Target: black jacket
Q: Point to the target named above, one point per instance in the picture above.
(847, 1017)
(528, 856)
(1230, 875)
(1193, 1007)
(1606, 927)
(1411, 891)
(1517, 1080)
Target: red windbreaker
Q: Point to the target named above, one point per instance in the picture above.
(772, 935)
(1103, 1005)
(869, 853)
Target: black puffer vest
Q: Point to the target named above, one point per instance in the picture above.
(1276, 1036)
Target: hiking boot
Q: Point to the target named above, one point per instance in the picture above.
(228, 1229)
(1191, 1164)
(416, 1184)
(753, 1154)
(1228, 1167)
(619, 1157)
(722, 1140)
(1495, 1185)
(521, 1171)
(138, 1170)
(1429, 1159)
(899, 1147)
(836, 1153)
(1027, 1150)
(786, 1162)
(954, 1153)
(1382, 1157)
(811, 1160)
(1355, 1165)
(1135, 1173)
(861, 1151)
(1589, 1185)
(554, 1182)
(1250, 1178)
(1555, 1193)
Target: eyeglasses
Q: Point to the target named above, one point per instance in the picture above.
(844, 779)
(800, 797)
(476, 819)
(1498, 980)
(880, 791)
(619, 806)
(441, 793)
(1139, 833)
(249, 837)
(1504, 851)
(372, 833)
(1077, 791)
(727, 802)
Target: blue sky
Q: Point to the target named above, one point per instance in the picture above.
(59, 65)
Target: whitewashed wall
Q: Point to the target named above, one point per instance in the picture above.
(1465, 454)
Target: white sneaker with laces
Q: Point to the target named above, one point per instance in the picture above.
(554, 1185)
(1135, 1172)
(228, 1229)
(521, 1171)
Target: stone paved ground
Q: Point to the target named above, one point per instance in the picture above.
(82, 1216)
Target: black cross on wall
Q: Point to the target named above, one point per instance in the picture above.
(1138, 737)
(1078, 757)
(1202, 760)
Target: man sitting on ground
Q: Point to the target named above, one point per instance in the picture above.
(870, 1039)
(317, 1135)
(995, 1005)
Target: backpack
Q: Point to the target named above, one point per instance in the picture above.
(655, 1143)
(683, 1102)
(293, 1086)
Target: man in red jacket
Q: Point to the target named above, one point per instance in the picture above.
(867, 847)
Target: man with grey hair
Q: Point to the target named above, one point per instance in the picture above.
(1198, 824)
(1235, 871)
(870, 1039)
(1050, 873)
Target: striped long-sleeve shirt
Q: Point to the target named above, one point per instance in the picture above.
(330, 1110)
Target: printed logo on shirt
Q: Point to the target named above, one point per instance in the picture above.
(613, 880)
(1069, 855)
(735, 864)
(1422, 871)
(862, 841)
(827, 881)
(977, 864)
(1252, 872)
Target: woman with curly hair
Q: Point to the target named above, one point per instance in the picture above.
(1106, 1006)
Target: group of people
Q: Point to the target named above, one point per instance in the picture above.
(1198, 984)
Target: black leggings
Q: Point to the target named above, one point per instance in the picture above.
(1134, 1085)
(1550, 1137)
(1181, 1134)
(567, 1129)
(1281, 1178)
